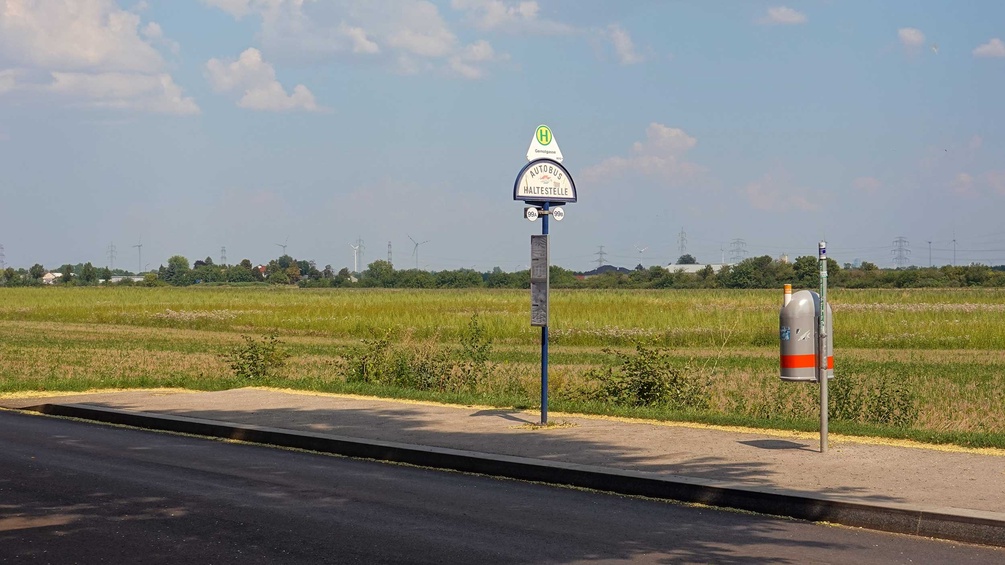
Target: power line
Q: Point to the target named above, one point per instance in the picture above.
(139, 256)
(901, 252)
(389, 254)
(3, 258)
(600, 257)
(737, 250)
(682, 241)
(111, 256)
(223, 255)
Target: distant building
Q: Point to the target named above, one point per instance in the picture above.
(50, 278)
(694, 269)
(117, 279)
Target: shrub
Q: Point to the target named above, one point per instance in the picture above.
(647, 377)
(256, 359)
(889, 401)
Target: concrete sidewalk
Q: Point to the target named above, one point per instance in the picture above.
(963, 486)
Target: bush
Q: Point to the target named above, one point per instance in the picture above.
(648, 378)
(888, 401)
(475, 349)
(257, 359)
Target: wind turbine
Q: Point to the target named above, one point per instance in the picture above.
(415, 250)
(641, 250)
(283, 245)
(355, 256)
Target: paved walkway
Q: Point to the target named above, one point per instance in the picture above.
(852, 470)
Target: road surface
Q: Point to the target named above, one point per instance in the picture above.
(74, 492)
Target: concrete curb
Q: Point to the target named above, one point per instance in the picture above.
(987, 528)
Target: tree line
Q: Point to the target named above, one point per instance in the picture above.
(752, 273)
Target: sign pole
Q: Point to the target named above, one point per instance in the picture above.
(822, 347)
(544, 331)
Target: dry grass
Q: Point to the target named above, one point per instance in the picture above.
(948, 344)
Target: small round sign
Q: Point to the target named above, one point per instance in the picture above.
(530, 213)
(558, 213)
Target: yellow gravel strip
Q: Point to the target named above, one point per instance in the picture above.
(833, 438)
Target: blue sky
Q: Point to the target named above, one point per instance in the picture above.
(191, 125)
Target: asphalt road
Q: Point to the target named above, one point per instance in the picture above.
(73, 492)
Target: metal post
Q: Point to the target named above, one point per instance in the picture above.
(544, 335)
(822, 347)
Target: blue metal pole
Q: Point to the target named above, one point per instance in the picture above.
(544, 331)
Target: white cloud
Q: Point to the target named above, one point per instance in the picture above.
(257, 80)
(93, 51)
(420, 30)
(996, 180)
(464, 62)
(776, 193)
(661, 155)
(623, 45)
(153, 32)
(408, 35)
(236, 8)
(360, 42)
(782, 15)
(511, 17)
(8, 80)
(869, 185)
(993, 48)
(911, 37)
(963, 185)
(132, 91)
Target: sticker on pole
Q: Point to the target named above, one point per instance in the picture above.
(544, 145)
(544, 180)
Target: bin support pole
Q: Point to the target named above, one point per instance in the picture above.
(822, 352)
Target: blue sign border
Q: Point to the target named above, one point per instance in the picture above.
(516, 183)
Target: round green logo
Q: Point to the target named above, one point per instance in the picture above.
(543, 135)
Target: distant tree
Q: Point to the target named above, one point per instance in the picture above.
(379, 273)
(414, 278)
(88, 274)
(240, 273)
(10, 277)
(105, 274)
(67, 272)
(293, 273)
(687, 259)
(177, 272)
(328, 273)
(284, 262)
(36, 271)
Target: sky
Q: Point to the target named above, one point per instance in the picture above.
(721, 129)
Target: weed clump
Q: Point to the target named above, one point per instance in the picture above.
(257, 359)
(648, 377)
(888, 401)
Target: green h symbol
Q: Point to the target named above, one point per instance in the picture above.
(543, 135)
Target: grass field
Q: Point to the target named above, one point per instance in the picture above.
(940, 351)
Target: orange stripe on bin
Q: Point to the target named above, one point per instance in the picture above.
(804, 361)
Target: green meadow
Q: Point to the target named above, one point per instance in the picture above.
(921, 364)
